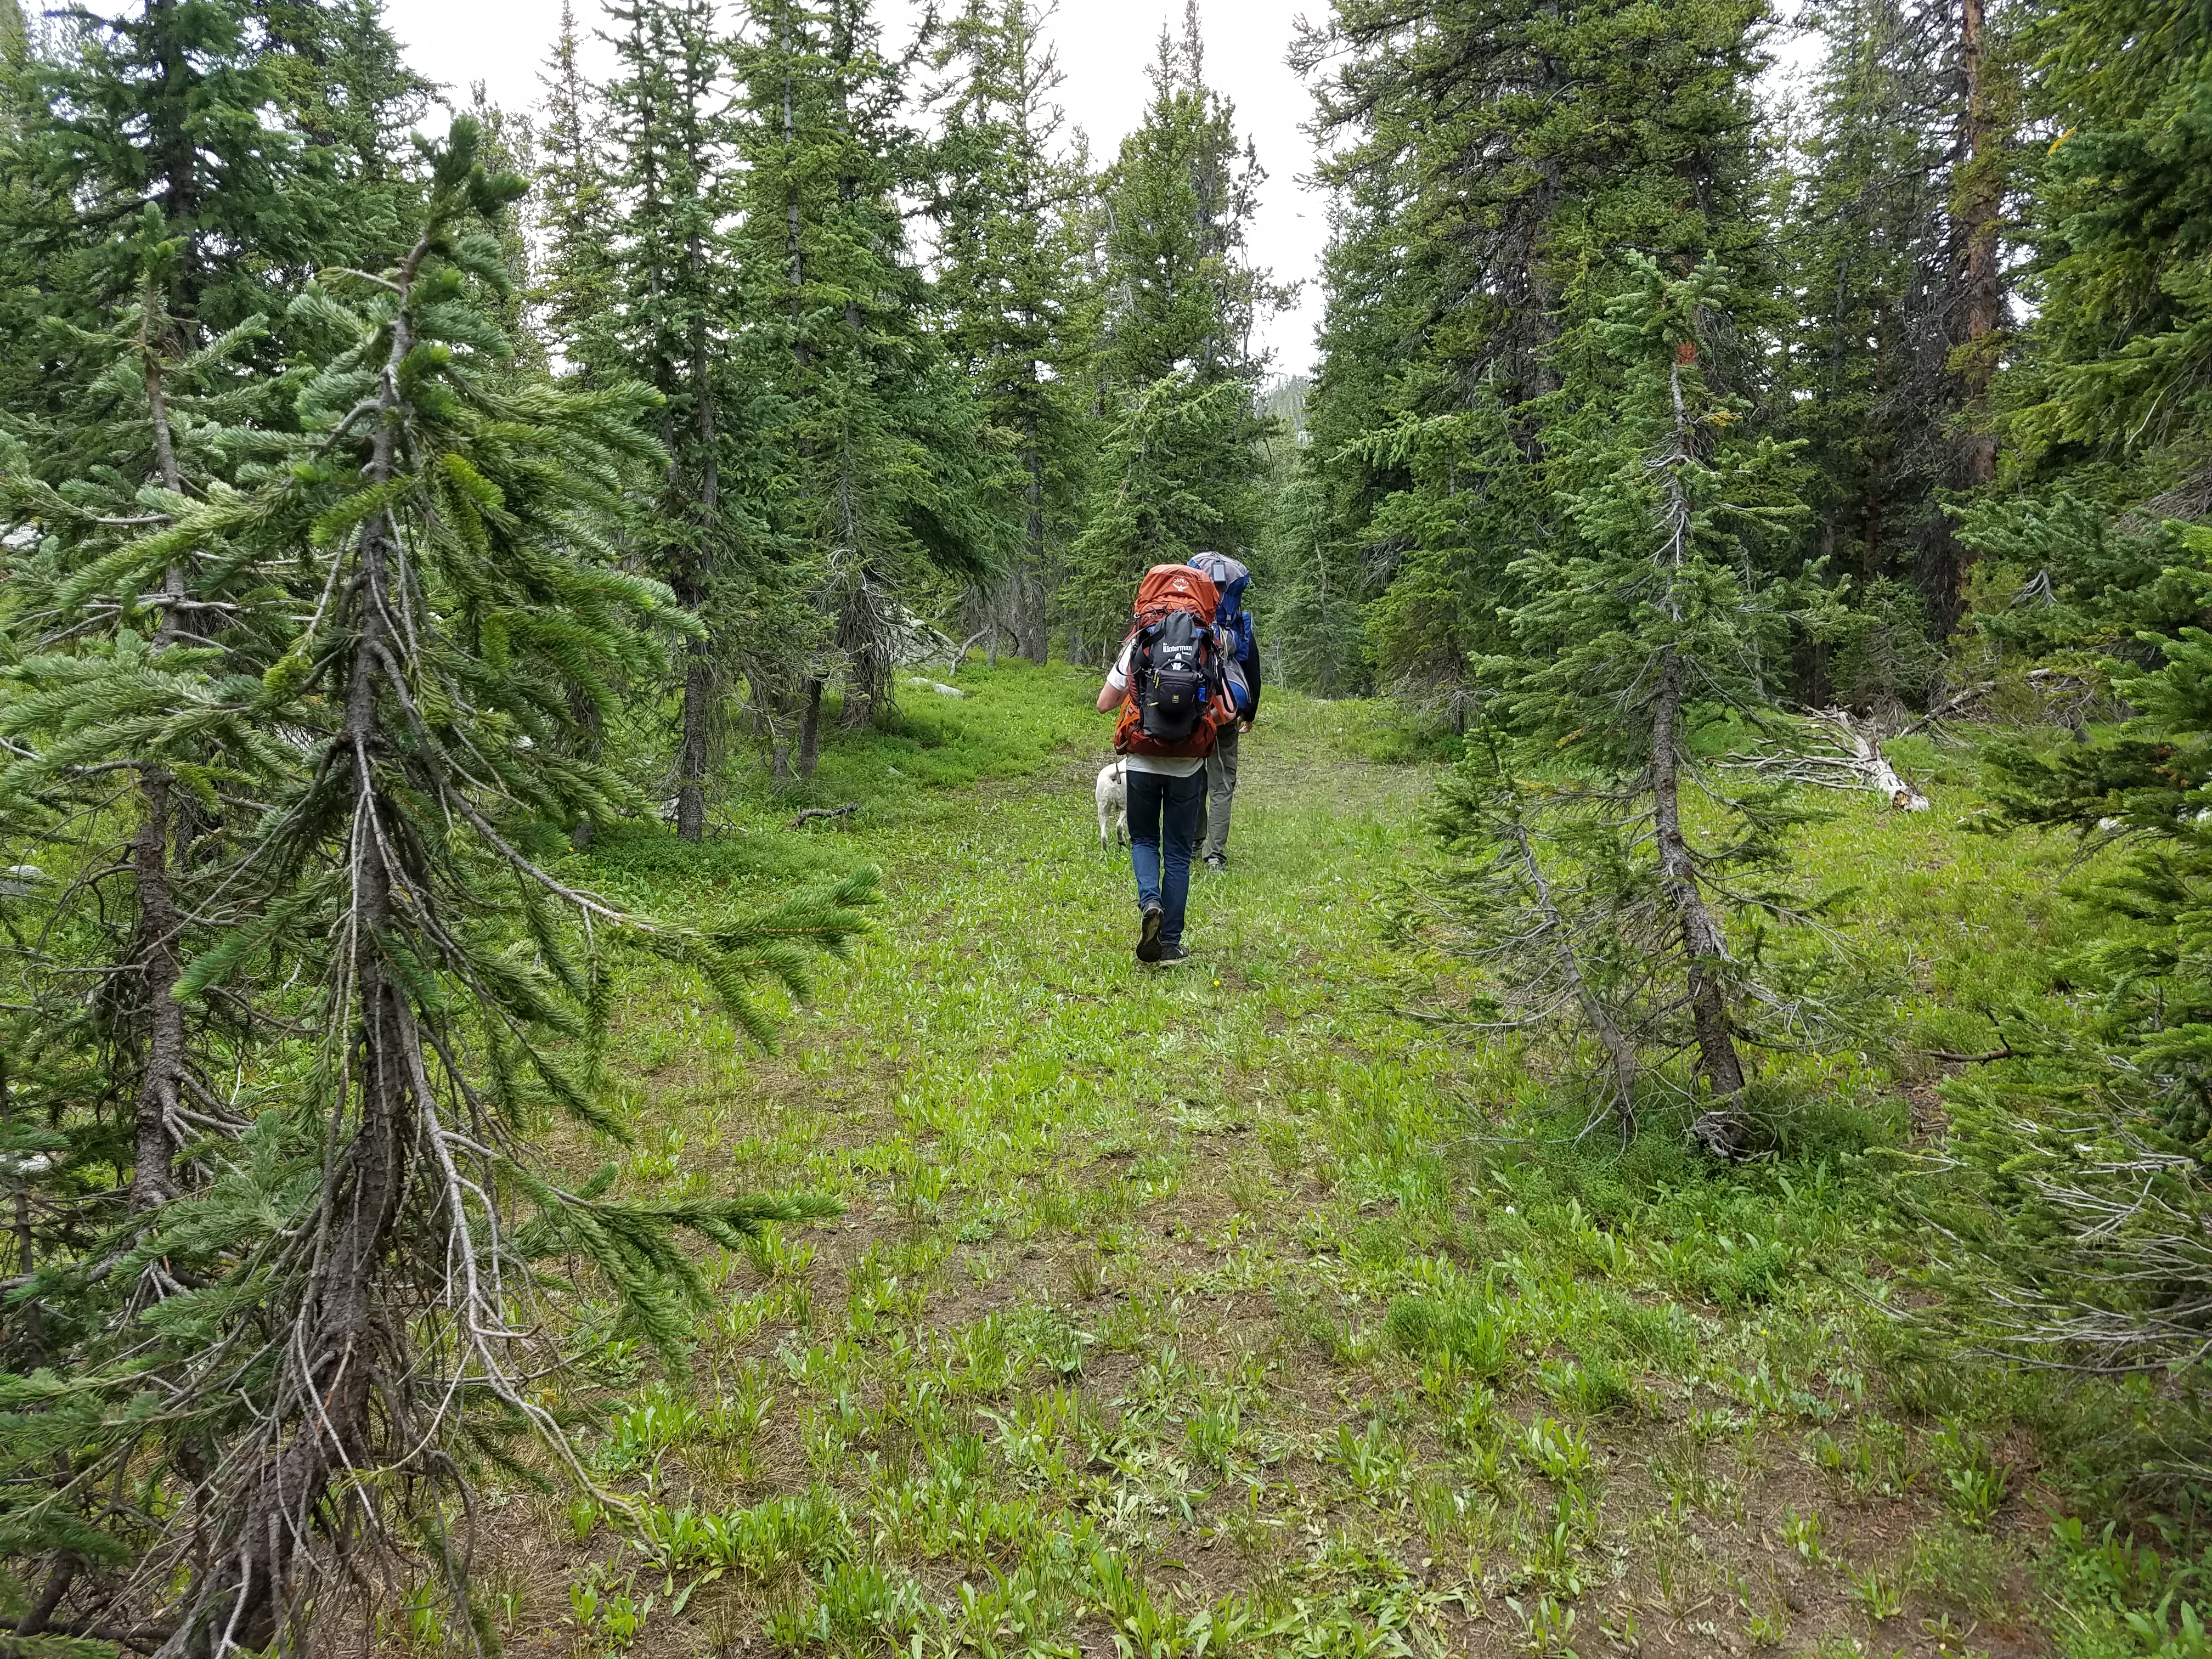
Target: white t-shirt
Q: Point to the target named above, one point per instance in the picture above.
(1167, 766)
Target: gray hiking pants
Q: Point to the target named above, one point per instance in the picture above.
(1220, 792)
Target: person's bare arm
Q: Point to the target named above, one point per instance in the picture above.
(1110, 697)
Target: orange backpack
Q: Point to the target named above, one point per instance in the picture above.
(1166, 590)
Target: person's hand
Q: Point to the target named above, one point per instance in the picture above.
(1244, 724)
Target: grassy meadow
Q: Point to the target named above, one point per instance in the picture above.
(1253, 1310)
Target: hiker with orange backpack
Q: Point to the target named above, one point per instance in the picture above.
(1170, 686)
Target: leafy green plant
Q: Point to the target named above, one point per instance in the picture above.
(1878, 1594)
(1557, 1449)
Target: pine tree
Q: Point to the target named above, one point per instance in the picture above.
(876, 486)
(675, 316)
(178, 202)
(1323, 567)
(1179, 381)
(1872, 252)
(359, 1278)
(14, 49)
(347, 93)
(170, 106)
(2123, 270)
(123, 762)
(1652, 619)
(1007, 210)
(1499, 164)
(577, 212)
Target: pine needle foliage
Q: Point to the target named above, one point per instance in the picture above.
(877, 486)
(1497, 166)
(1009, 206)
(2080, 1166)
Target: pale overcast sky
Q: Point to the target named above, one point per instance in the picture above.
(1103, 50)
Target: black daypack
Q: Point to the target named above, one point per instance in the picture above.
(1168, 672)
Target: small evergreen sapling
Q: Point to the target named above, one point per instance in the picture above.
(1648, 624)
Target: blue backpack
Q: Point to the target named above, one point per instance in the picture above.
(1232, 623)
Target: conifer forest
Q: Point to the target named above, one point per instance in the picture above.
(572, 1081)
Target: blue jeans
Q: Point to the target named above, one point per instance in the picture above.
(1164, 828)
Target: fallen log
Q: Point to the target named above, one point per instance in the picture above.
(1848, 756)
(814, 812)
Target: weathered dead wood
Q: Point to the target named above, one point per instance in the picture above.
(1844, 753)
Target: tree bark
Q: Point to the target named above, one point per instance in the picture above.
(691, 755)
(1704, 949)
(810, 728)
(156, 951)
(327, 1419)
(1980, 206)
(1035, 640)
(159, 963)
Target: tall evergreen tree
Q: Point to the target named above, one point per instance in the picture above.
(1871, 251)
(191, 107)
(674, 321)
(1498, 166)
(1177, 373)
(1007, 212)
(1648, 619)
(575, 210)
(876, 488)
(2123, 268)
(160, 190)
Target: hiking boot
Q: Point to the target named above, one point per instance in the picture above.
(1174, 956)
(1217, 862)
(1148, 934)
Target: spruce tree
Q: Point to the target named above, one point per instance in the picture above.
(1177, 375)
(1007, 209)
(1650, 619)
(189, 105)
(674, 319)
(1871, 252)
(167, 196)
(2123, 270)
(876, 487)
(122, 761)
(334, 1323)
(576, 212)
(1498, 165)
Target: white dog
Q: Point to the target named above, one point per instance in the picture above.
(1113, 806)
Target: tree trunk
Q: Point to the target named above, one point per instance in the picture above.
(692, 750)
(339, 1336)
(810, 728)
(155, 952)
(1706, 952)
(1980, 207)
(336, 1351)
(159, 963)
(1033, 640)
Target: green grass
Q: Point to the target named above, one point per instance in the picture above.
(1236, 1311)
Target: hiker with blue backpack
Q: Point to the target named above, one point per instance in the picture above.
(1172, 689)
(1240, 661)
